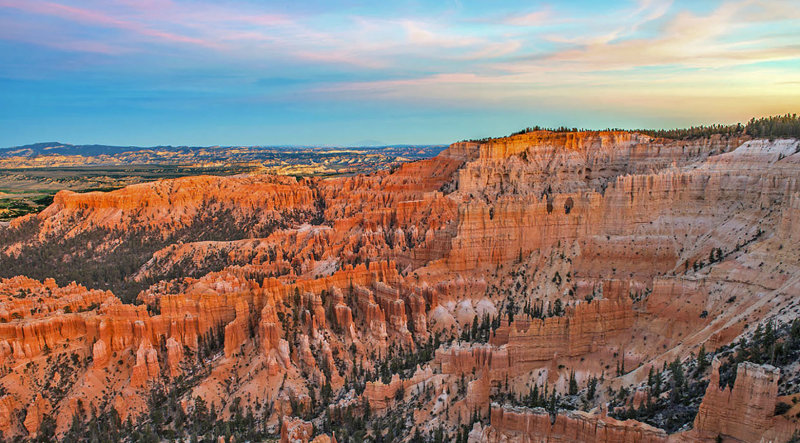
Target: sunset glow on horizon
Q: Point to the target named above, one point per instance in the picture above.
(156, 72)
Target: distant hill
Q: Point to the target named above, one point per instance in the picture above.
(64, 149)
(329, 158)
(58, 148)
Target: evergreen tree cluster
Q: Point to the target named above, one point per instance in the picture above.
(165, 421)
(694, 132)
(480, 333)
(686, 385)
(777, 126)
(537, 310)
(348, 423)
(777, 345)
(111, 268)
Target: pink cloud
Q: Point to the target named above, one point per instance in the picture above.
(712, 40)
(420, 34)
(536, 18)
(30, 33)
(202, 13)
(100, 19)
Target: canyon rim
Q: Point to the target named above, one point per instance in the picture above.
(304, 221)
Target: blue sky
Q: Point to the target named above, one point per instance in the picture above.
(202, 72)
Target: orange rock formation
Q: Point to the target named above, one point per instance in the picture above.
(745, 412)
(353, 274)
(536, 425)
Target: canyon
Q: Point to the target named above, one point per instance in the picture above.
(557, 286)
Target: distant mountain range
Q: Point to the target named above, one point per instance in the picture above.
(279, 159)
(58, 148)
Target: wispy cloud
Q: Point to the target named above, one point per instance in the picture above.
(716, 55)
(93, 17)
(691, 40)
(615, 55)
(535, 18)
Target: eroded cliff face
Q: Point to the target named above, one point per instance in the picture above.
(544, 162)
(629, 207)
(168, 203)
(536, 425)
(585, 329)
(135, 347)
(744, 412)
(537, 260)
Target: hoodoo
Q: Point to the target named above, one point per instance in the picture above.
(548, 286)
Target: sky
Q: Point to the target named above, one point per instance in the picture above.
(325, 72)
